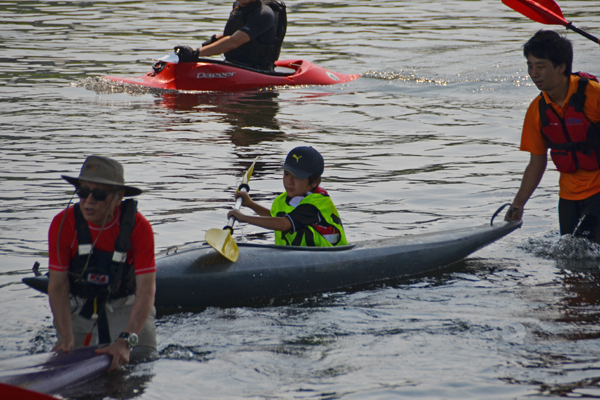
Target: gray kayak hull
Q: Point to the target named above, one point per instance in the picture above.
(201, 277)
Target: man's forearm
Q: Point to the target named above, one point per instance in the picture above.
(531, 179)
(60, 304)
(144, 301)
(224, 44)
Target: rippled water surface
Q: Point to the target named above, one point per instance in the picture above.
(426, 140)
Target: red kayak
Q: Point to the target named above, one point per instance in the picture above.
(214, 75)
(10, 392)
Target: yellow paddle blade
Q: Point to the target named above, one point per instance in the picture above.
(221, 240)
(249, 172)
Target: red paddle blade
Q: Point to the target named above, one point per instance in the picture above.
(542, 11)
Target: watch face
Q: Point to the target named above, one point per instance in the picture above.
(133, 340)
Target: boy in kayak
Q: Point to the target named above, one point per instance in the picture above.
(304, 214)
(565, 117)
(252, 36)
(102, 269)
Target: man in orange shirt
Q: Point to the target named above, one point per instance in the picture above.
(565, 117)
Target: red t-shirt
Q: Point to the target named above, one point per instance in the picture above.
(142, 241)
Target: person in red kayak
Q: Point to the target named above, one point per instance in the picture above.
(253, 36)
(102, 268)
(304, 214)
(564, 118)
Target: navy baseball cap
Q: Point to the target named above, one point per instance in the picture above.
(303, 162)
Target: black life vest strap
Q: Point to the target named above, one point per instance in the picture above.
(129, 210)
(123, 242)
(578, 99)
(84, 235)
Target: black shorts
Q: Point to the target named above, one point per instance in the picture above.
(580, 217)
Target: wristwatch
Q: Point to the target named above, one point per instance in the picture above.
(130, 338)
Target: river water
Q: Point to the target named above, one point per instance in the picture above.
(426, 140)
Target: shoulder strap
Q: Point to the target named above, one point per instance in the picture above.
(586, 75)
(84, 235)
(542, 107)
(280, 11)
(578, 99)
(129, 210)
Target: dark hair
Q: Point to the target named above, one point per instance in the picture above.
(551, 46)
(313, 178)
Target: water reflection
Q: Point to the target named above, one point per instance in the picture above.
(252, 116)
(127, 383)
(579, 306)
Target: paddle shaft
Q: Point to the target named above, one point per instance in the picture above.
(237, 206)
(583, 33)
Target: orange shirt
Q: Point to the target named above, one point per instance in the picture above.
(581, 184)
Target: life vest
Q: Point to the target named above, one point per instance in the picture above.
(259, 52)
(573, 140)
(103, 274)
(328, 232)
(280, 11)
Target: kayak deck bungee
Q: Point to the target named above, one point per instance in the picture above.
(215, 75)
(201, 277)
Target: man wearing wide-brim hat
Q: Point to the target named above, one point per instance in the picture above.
(102, 276)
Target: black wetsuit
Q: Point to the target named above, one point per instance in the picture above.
(257, 21)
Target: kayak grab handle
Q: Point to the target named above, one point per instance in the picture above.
(502, 207)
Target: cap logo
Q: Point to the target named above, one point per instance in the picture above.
(92, 167)
(297, 157)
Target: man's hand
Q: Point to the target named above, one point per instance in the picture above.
(64, 344)
(212, 39)
(514, 213)
(186, 53)
(119, 351)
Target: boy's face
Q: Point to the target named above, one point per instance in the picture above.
(544, 74)
(295, 186)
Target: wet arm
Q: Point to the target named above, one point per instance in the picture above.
(531, 179)
(274, 223)
(58, 293)
(224, 44)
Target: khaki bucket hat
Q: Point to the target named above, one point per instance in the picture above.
(104, 170)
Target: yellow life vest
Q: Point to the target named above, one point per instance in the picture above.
(328, 232)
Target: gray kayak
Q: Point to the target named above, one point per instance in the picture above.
(200, 277)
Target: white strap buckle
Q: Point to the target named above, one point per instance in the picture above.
(119, 256)
(84, 249)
